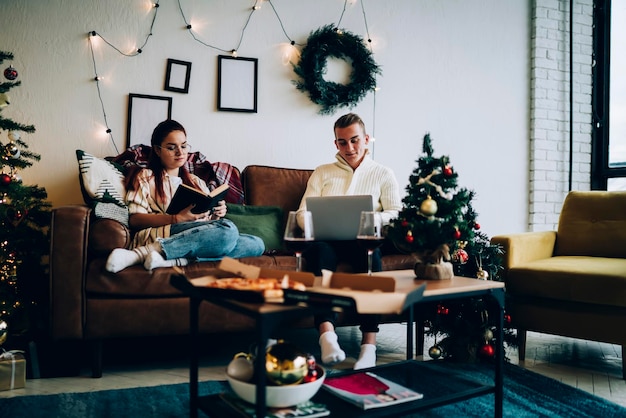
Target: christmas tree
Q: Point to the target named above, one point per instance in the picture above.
(439, 225)
(24, 219)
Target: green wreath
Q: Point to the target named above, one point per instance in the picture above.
(328, 42)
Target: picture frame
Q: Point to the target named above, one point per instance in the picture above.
(237, 79)
(177, 76)
(145, 112)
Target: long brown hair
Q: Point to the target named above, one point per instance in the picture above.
(159, 134)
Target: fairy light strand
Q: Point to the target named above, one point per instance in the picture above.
(97, 79)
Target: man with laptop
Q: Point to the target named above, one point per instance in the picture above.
(355, 174)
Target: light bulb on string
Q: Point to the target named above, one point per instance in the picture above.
(233, 53)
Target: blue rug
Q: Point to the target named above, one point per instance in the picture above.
(526, 394)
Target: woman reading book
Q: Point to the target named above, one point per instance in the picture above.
(165, 240)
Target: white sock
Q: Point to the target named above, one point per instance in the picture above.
(331, 352)
(121, 258)
(155, 259)
(367, 357)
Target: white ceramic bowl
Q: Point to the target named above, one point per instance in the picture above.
(279, 396)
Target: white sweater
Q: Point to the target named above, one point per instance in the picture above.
(370, 178)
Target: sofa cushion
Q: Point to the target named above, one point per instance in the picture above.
(263, 221)
(594, 280)
(100, 180)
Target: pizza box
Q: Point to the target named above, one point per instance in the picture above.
(230, 267)
(341, 291)
(357, 292)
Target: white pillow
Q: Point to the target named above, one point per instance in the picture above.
(100, 180)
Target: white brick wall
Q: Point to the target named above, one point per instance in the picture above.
(550, 107)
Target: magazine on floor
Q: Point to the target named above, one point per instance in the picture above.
(368, 390)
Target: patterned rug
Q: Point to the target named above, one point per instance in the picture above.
(526, 394)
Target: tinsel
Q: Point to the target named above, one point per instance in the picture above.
(328, 42)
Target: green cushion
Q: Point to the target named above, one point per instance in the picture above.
(265, 222)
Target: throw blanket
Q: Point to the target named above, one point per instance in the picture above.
(213, 174)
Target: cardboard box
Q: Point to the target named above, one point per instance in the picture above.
(358, 292)
(12, 370)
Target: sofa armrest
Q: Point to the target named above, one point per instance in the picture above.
(526, 246)
(69, 231)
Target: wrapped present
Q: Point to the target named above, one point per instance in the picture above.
(12, 370)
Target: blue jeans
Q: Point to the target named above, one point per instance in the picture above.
(209, 241)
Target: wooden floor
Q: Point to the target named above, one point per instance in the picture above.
(591, 366)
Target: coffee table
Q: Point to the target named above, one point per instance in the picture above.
(269, 315)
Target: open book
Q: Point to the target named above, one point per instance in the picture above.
(367, 390)
(186, 195)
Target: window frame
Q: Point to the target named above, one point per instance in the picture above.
(601, 172)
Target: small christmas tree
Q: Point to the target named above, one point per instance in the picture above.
(438, 224)
(24, 219)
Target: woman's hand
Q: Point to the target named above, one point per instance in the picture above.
(186, 215)
(219, 211)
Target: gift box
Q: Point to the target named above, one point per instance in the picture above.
(12, 370)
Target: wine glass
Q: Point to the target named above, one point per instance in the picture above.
(370, 234)
(299, 233)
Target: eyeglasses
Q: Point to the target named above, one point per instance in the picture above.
(185, 148)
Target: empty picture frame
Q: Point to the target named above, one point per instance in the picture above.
(177, 76)
(236, 84)
(144, 114)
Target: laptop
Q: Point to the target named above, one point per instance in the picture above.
(336, 218)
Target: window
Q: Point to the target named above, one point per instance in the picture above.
(608, 167)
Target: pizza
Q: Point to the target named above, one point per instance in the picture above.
(270, 287)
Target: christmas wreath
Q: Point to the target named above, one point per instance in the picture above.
(328, 42)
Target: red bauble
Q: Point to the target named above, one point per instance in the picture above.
(447, 171)
(404, 223)
(460, 256)
(5, 179)
(487, 351)
(409, 238)
(507, 318)
(10, 73)
(457, 234)
(476, 226)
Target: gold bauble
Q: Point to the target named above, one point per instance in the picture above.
(429, 206)
(435, 352)
(285, 364)
(482, 274)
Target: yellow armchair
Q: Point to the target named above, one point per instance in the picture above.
(572, 281)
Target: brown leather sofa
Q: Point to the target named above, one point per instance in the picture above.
(571, 281)
(89, 304)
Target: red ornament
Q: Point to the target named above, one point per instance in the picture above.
(507, 318)
(312, 374)
(487, 351)
(5, 179)
(442, 310)
(404, 223)
(409, 239)
(10, 73)
(447, 170)
(476, 226)
(460, 256)
(457, 233)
